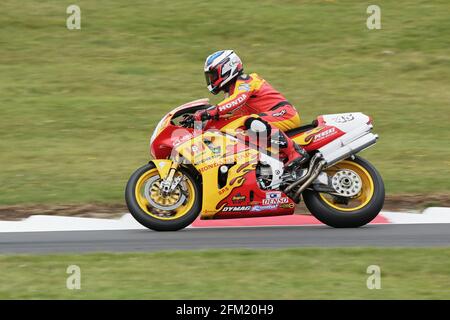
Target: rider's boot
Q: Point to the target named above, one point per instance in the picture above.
(295, 154)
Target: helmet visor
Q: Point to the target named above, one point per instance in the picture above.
(211, 77)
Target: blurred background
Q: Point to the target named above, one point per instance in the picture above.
(77, 107)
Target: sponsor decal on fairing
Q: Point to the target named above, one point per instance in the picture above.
(275, 201)
(263, 208)
(238, 198)
(243, 156)
(287, 206)
(223, 190)
(273, 194)
(274, 198)
(237, 209)
(182, 139)
(324, 134)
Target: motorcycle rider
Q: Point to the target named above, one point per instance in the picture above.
(269, 112)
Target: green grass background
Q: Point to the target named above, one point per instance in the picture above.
(77, 107)
(238, 274)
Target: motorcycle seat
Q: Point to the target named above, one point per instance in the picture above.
(301, 129)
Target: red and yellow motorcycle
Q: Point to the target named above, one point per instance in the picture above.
(209, 169)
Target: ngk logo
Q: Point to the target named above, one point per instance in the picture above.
(233, 103)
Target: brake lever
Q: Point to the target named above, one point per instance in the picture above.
(188, 121)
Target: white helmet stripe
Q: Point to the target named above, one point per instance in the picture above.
(231, 68)
(216, 58)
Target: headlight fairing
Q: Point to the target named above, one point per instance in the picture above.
(159, 127)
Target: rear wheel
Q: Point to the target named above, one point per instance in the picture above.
(359, 199)
(156, 211)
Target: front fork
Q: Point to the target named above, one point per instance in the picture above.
(167, 170)
(170, 183)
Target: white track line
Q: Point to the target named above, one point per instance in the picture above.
(127, 222)
(429, 215)
(59, 223)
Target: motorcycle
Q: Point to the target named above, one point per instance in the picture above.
(209, 169)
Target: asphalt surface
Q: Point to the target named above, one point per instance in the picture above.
(384, 235)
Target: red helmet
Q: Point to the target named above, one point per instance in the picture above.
(220, 68)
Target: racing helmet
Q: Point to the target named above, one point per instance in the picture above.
(220, 68)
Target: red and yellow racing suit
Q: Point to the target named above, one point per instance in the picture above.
(252, 95)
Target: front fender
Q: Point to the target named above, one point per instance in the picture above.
(163, 166)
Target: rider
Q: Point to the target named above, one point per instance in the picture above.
(269, 112)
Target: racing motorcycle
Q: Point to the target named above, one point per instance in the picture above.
(209, 169)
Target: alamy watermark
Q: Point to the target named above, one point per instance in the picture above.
(73, 281)
(73, 21)
(373, 22)
(374, 280)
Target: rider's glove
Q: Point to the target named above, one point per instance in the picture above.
(210, 113)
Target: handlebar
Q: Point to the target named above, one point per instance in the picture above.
(188, 121)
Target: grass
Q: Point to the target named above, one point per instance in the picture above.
(77, 107)
(225, 274)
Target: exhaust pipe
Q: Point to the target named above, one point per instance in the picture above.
(347, 138)
(336, 154)
(340, 149)
(312, 164)
(317, 170)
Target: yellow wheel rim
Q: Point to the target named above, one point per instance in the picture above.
(362, 198)
(154, 194)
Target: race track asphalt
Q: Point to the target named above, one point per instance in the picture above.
(379, 235)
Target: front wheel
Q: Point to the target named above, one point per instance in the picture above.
(359, 199)
(157, 211)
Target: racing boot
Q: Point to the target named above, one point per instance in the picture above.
(296, 157)
(295, 154)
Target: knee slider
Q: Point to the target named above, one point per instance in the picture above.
(258, 126)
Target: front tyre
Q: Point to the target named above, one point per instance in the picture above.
(351, 212)
(162, 213)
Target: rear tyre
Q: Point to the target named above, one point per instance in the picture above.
(141, 196)
(360, 209)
